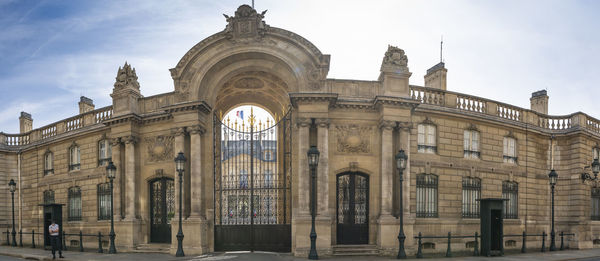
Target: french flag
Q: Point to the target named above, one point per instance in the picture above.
(240, 114)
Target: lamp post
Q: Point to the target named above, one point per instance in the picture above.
(595, 170)
(553, 176)
(180, 166)
(12, 186)
(313, 161)
(110, 173)
(401, 165)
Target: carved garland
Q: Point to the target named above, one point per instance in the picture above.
(354, 139)
(160, 148)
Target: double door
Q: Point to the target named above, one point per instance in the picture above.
(162, 209)
(352, 208)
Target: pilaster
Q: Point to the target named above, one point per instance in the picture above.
(196, 207)
(323, 167)
(130, 177)
(179, 146)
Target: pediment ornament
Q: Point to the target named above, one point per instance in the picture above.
(354, 139)
(159, 148)
(246, 23)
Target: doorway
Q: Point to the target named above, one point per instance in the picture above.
(162, 209)
(352, 208)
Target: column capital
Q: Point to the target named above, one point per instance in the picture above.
(130, 139)
(405, 125)
(387, 125)
(115, 142)
(303, 122)
(196, 129)
(179, 131)
(323, 123)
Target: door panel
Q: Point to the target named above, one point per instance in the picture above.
(162, 210)
(352, 209)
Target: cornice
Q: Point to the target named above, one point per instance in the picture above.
(126, 118)
(188, 106)
(295, 98)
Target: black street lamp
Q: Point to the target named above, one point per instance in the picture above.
(553, 176)
(110, 173)
(595, 170)
(401, 159)
(180, 167)
(12, 186)
(313, 161)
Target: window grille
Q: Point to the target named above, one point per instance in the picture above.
(104, 152)
(48, 197)
(471, 192)
(75, 204)
(510, 150)
(595, 203)
(471, 144)
(426, 142)
(104, 201)
(48, 163)
(510, 191)
(427, 197)
(74, 158)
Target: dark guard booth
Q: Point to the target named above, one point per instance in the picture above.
(52, 212)
(491, 226)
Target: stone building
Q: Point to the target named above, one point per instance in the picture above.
(460, 148)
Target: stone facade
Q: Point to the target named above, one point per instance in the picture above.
(358, 126)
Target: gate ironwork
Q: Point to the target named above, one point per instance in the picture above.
(352, 208)
(252, 184)
(162, 209)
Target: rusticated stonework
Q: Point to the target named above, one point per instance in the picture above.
(353, 139)
(160, 148)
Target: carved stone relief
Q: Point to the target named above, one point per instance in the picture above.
(160, 148)
(354, 139)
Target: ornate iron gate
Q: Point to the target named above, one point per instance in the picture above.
(252, 185)
(352, 208)
(162, 209)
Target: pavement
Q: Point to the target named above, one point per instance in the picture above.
(8, 253)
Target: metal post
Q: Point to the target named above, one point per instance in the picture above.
(401, 236)
(313, 209)
(100, 250)
(20, 237)
(7, 237)
(448, 249)
(179, 252)
(419, 247)
(476, 248)
(64, 242)
(543, 241)
(14, 232)
(524, 245)
(32, 238)
(111, 235)
(552, 235)
(562, 240)
(80, 241)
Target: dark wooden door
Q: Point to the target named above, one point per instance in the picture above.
(162, 209)
(352, 208)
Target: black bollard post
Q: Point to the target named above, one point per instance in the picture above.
(100, 243)
(32, 238)
(476, 248)
(448, 249)
(543, 241)
(562, 240)
(80, 241)
(524, 245)
(20, 237)
(419, 247)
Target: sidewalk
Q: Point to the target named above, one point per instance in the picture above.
(39, 254)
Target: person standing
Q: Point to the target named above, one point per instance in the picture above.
(53, 230)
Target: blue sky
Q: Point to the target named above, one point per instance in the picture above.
(52, 52)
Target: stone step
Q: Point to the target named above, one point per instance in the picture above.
(355, 250)
(152, 248)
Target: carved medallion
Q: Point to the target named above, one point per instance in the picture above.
(160, 148)
(353, 139)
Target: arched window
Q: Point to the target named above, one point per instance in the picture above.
(74, 157)
(48, 163)
(471, 192)
(104, 152)
(510, 191)
(427, 196)
(74, 204)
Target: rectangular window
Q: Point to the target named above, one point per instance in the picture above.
(74, 158)
(426, 142)
(595, 203)
(104, 152)
(427, 197)
(471, 192)
(595, 153)
(471, 144)
(510, 150)
(510, 191)
(48, 197)
(75, 204)
(104, 201)
(268, 176)
(243, 178)
(48, 163)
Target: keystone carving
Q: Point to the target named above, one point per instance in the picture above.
(246, 23)
(160, 148)
(353, 139)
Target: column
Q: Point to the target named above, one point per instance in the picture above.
(405, 145)
(130, 177)
(323, 168)
(196, 133)
(179, 146)
(116, 159)
(303, 175)
(387, 166)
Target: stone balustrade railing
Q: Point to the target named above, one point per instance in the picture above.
(63, 126)
(476, 104)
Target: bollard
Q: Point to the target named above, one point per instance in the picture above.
(524, 245)
(448, 250)
(20, 238)
(80, 241)
(100, 242)
(32, 238)
(543, 241)
(419, 248)
(476, 248)
(562, 240)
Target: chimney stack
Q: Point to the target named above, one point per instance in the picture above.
(25, 122)
(85, 104)
(436, 77)
(539, 102)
